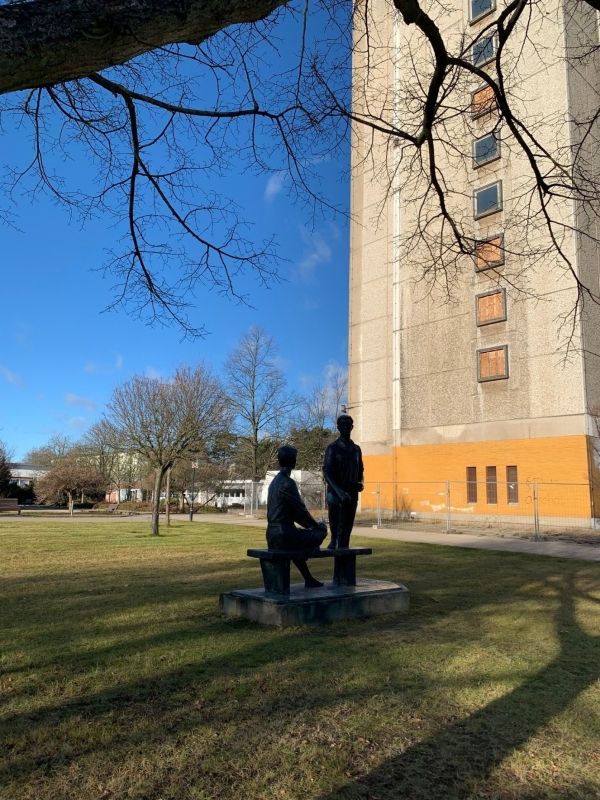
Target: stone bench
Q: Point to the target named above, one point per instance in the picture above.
(275, 565)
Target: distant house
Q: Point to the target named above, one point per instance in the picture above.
(229, 493)
(126, 470)
(25, 474)
(119, 494)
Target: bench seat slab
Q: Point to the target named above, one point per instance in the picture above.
(275, 565)
(275, 555)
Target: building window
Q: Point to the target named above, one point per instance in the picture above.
(491, 307)
(486, 149)
(482, 101)
(491, 486)
(512, 485)
(471, 484)
(484, 50)
(479, 8)
(489, 253)
(492, 364)
(487, 200)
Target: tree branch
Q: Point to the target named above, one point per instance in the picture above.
(45, 42)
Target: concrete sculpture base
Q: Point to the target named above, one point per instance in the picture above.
(316, 606)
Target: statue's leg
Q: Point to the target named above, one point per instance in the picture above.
(305, 539)
(352, 512)
(334, 513)
(348, 514)
(310, 582)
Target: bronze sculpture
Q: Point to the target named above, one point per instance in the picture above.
(344, 474)
(284, 508)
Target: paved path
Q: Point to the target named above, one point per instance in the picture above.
(558, 549)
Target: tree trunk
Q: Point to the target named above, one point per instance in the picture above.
(71, 502)
(158, 479)
(255, 446)
(43, 43)
(168, 499)
(181, 502)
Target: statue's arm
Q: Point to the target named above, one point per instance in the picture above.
(361, 471)
(299, 512)
(337, 490)
(342, 495)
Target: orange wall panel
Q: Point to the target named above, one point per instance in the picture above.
(550, 462)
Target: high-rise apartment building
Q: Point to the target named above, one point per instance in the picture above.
(476, 368)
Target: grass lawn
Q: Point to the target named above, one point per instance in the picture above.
(120, 679)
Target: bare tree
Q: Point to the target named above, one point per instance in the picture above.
(260, 400)
(104, 450)
(160, 98)
(425, 85)
(181, 480)
(138, 86)
(70, 474)
(56, 447)
(315, 420)
(162, 421)
(322, 404)
(207, 477)
(121, 470)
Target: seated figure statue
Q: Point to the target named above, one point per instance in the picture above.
(284, 508)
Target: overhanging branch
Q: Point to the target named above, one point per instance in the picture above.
(44, 43)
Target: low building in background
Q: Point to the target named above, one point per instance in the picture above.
(310, 486)
(25, 474)
(130, 494)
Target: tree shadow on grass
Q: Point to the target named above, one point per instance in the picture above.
(53, 618)
(136, 712)
(454, 763)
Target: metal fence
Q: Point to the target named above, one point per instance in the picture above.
(457, 505)
(255, 499)
(525, 507)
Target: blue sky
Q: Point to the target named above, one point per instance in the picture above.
(62, 354)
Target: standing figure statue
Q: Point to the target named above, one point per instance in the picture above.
(343, 472)
(284, 508)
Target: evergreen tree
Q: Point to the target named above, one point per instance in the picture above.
(5, 474)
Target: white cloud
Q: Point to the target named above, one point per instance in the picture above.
(77, 423)
(306, 381)
(79, 400)
(274, 186)
(317, 252)
(95, 366)
(334, 370)
(11, 377)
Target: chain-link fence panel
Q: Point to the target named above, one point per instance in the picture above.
(510, 506)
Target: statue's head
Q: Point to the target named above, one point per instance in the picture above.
(345, 423)
(286, 455)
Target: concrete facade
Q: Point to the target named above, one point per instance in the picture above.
(420, 346)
